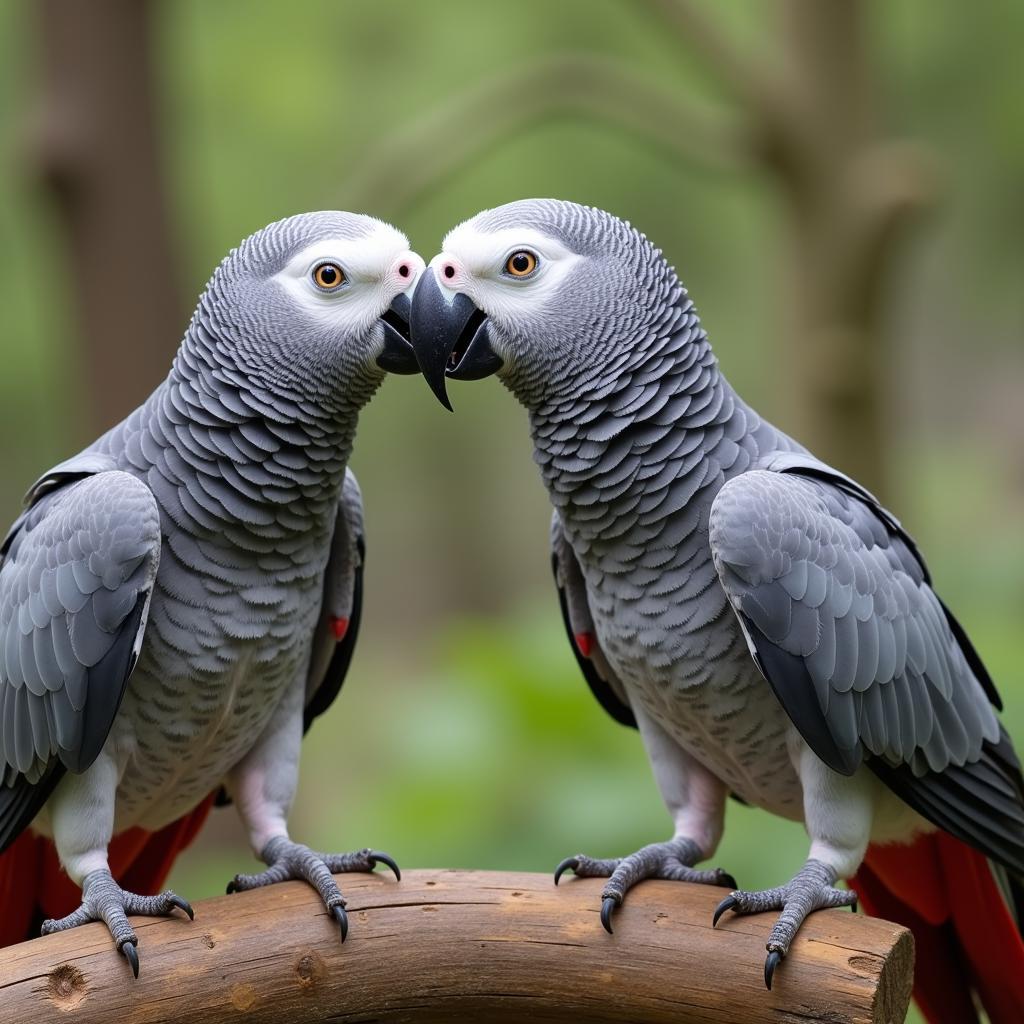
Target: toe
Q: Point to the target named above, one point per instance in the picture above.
(593, 867)
(176, 901)
(131, 954)
(608, 905)
(242, 883)
(377, 857)
(727, 904)
(569, 864)
(82, 915)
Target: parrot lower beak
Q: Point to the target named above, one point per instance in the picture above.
(397, 355)
(449, 336)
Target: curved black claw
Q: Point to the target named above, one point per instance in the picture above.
(569, 863)
(608, 905)
(342, 918)
(772, 961)
(727, 904)
(132, 956)
(231, 887)
(375, 857)
(177, 901)
(725, 880)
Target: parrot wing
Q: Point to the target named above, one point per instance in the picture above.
(338, 627)
(839, 614)
(572, 598)
(76, 575)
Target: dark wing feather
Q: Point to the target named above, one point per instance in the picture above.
(839, 613)
(572, 599)
(979, 803)
(973, 658)
(343, 599)
(21, 801)
(792, 683)
(75, 580)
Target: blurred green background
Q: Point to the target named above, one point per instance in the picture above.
(464, 735)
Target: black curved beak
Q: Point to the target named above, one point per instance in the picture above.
(397, 355)
(449, 336)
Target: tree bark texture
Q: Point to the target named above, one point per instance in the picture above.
(94, 144)
(463, 945)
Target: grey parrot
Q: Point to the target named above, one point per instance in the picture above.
(181, 599)
(764, 622)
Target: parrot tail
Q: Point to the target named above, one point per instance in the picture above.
(34, 887)
(964, 913)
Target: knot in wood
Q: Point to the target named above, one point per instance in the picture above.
(309, 969)
(66, 986)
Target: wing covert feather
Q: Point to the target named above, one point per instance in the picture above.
(840, 615)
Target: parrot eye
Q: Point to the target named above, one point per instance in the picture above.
(521, 263)
(327, 276)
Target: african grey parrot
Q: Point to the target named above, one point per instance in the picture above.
(769, 628)
(181, 599)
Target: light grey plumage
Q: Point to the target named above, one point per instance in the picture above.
(216, 536)
(696, 546)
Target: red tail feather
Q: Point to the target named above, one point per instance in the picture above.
(33, 886)
(965, 936)
(585, 643)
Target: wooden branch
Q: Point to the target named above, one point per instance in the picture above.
(405, 164)
(463, 945)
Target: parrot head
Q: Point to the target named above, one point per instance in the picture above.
(319, 297)
(545, 293)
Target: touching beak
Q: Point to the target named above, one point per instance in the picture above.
(397, 355)
(449, 336)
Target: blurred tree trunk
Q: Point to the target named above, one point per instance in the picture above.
(848, 192)
(817, 130)
(95, 147)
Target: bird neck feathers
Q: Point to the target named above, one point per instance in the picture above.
(643, 426)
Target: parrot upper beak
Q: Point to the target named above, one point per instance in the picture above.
(449, 336)
(397, 355)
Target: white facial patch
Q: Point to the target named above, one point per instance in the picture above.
(483, 255)
(371, 276)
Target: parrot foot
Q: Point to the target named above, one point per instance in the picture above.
(104, 900)
(811, 889)
(288, 860)
(671, 860)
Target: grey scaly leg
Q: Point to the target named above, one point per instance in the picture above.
(104, 900)
(811, 889)
(672, 860)
(290, 860)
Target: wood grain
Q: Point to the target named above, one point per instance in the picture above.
(463, 945)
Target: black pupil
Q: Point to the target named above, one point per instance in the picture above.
(521, 262)
(328, 276)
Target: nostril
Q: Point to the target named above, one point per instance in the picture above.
(404, 271)
(449, 271)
